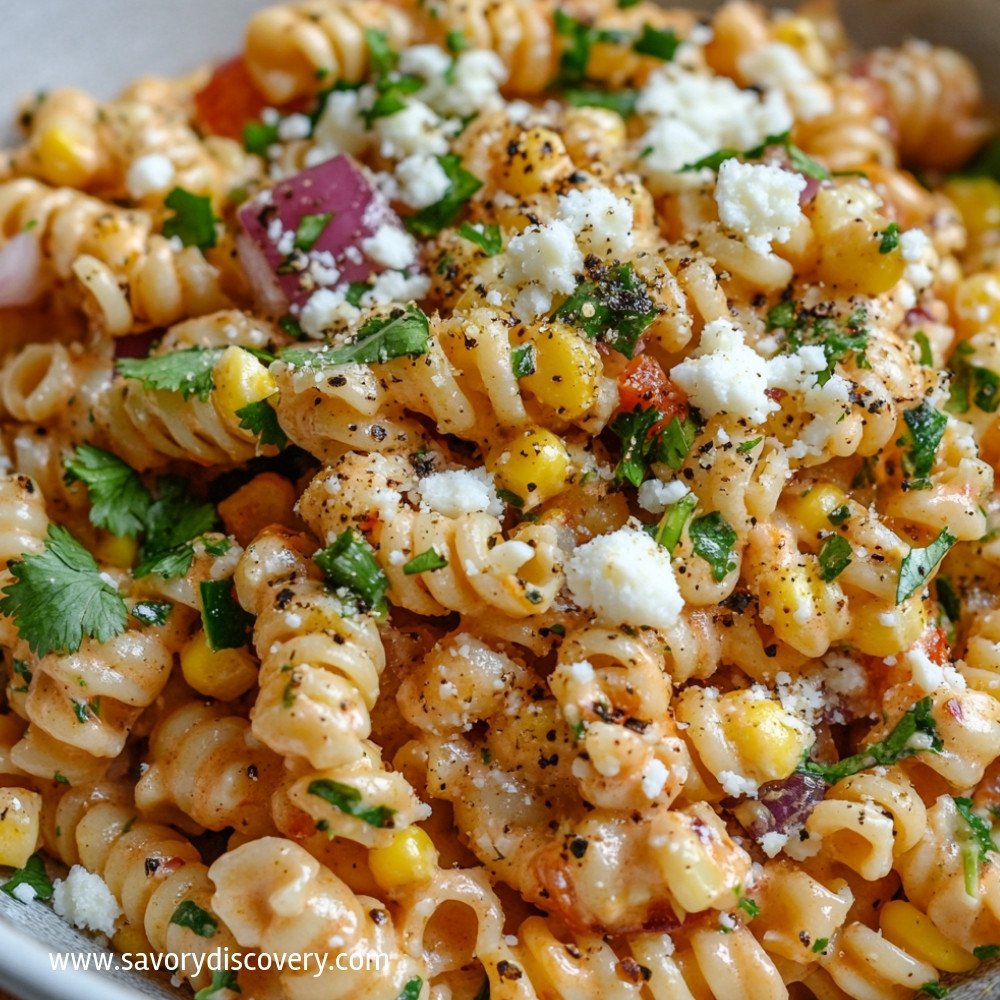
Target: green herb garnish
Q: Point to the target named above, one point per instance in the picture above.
(835, 556)
(349, 563)
(918, 564)
(713, 537)
(348, 800)
(193, 221)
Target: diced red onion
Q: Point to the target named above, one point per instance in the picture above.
(787, 804)
(20, 271)
(281, 275)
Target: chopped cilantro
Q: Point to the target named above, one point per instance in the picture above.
(389, 99)
(712, 538)
(971, 383)
(193, 221)
(835, 556)
(261, 419)
(933, 989)
(488, 238)
(746, 904)
(522, 360)
(661, 44)
(671, 525)
(349, 562)
(259, 137)
(951, 603)
(310, 229)
(510, 498)
(289, 325)
(977, 843)
(152, 612)
(462, 186)
(925, 427)
(411, 991)
(226, 624)
(348, 800)
(641, 445)
(119, 502)
(614, 308)
(356, 291)
(622, 102)
(175, 518)
(221, 980)
(59, 597)
(839, 516)
(782, 316)
(426, 562)
(926, 354)
(189, 914)
(20, 668)
(819, 945)
(32, 874)
(749, 445)
(402, 332)
(985, 952)
(890, 239)
(581, 37)
(809, 327)
(188, 371)
(455, 42)
(917, 720)
(918, 564)
(799, 161)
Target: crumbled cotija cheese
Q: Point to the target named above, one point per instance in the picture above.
(542, 261)
(148, 175)
(85, 901)
(759, 201)
(460, 491)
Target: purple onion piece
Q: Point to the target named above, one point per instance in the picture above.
(786, 804)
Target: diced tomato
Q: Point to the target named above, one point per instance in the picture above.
(643, 383)
(935, 644)
(229, 100)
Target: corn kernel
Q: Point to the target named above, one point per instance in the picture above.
(411, 857)
(535, 162)
(977, 304)
(240, 379)
(880, 630)
(535, 466)
(223, 673)
(907, 928)
(978, 202)
(770, 742)
(113, 551)
(813, 510)
(567, 367)
(66, 156)
(804, 611)
(589, 132)
(267, 499)
(20, 816)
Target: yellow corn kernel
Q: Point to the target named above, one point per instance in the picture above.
(411, 857)
(977, 200)
(813, 509)
(977, 304)
(223, 673)
(803, 610)
(802, 35)
(535, 162)
(567, 367)
(240, 379)
(267, 499)
(113, 551)
(591, 132)
(907, 928)
(66, 156)
(20, 814)
(535, 466)
(885, 630)
(769, 740)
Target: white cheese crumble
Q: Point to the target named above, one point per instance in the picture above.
(340, 128)
(737, 785)
(626, 578)
(24, 893)
(656, 496)
(148, 175)
(390, 246)
(724, 375)
(460, 491)
(414, 129)
(601, 220)
(654, 778)
(913, 244)
(420, 181)
(928, 675)
(85, 901)
(326, 309)
(542, 261)
(759, 201)
(459, 86)
(773, 843)
(779, 66)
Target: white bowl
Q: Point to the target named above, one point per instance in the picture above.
(102, 44)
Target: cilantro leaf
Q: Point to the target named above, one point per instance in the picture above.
(669, 445)
(661, 44)
(174, 519)
(221, 980)
(462, 186)
(152, 612)
(799, 161)
(402, 332)
(426, 562)
(261, 419)
(917, 720)
(189, 914)
(259, 137)
(188, 371)
(918, 564)
(32, 874)
(934, 989)
(576, 53)
(20, 670)
(193, 221)
(622, 102)
(985, 952)
(488, 237)
(310, 229)
(925, 428)
(381, 56)
(119, 502)
(614, 308)
(819, 945)
(356, 291)
(806, 327)
(522, 360)
(349, 562)
(923, 343)
(226, 624)
(59, 597)
(744, 446)
(389, 99)
(981, 832)
(951, 603)
(411, 991)
(835, 556)
(712, 538)
(839, 516)
(348, 800)
(971, 383)
(671, 525)
(890, 238)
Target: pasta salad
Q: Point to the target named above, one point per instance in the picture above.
(497, 497)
